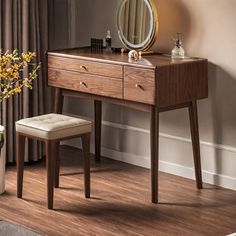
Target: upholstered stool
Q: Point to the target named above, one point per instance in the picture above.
(51, 129)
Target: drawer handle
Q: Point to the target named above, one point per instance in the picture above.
(83, 68)
(83, 84)
(139, 86)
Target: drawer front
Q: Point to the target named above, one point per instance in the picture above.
(85, 66)
(139, 85)
(110, 87)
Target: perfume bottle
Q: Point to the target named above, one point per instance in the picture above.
(108, 40)
(178, 51)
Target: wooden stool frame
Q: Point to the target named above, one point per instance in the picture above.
(52, 163)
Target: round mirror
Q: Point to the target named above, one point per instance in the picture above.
(137, 24)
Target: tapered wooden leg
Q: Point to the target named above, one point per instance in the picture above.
(98, 129)
(86, 151)
(50, 163)
(193, 116)
(57, 163)
(154, 141)
(20, 153)
(58, 101)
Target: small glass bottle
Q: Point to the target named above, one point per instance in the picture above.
(108, 40)
(178, 51)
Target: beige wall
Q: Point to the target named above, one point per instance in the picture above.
(208, 28)
(209, 32)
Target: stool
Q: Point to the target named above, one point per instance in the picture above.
(51, 129)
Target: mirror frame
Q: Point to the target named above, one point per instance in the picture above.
(151, 37)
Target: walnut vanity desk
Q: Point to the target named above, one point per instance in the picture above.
(152, 84)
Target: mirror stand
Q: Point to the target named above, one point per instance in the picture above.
(137, 23)
(148, 52)
(140, 53)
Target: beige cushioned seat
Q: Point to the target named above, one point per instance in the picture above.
(53, 126)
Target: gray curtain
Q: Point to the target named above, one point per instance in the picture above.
(23, 26)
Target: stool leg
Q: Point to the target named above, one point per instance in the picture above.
(86, 151)
(50, 163)
(57, 163)
(20, 154)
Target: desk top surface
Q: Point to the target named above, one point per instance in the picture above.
(149, 60)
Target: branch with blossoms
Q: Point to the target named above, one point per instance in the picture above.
(13, 66)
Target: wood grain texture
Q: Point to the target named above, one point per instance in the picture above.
(152, 80)
(85, 66)
(130, 104)
(177, 81)
(139, 85)
(119, 204)
(147, 61)
(87, 83)
(181, 83)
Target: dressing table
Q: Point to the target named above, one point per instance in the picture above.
(153, 83)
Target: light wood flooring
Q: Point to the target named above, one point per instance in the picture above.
(119, 204)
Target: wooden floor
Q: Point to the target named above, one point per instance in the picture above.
(120, 203)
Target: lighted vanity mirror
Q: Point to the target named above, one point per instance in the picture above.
(137, 24)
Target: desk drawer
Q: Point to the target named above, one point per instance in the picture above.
(110, 87)
(139, 85)
(85, 66)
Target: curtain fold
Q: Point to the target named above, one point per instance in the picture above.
(23, 26)
(136, 21)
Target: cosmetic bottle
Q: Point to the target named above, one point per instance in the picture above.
(108, 40)
(178, 51)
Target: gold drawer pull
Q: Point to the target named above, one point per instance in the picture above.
(139, 86)
(83, 84)
(83, 68)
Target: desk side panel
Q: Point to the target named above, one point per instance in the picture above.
(181, 83)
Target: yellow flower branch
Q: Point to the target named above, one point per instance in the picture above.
(17, 70)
